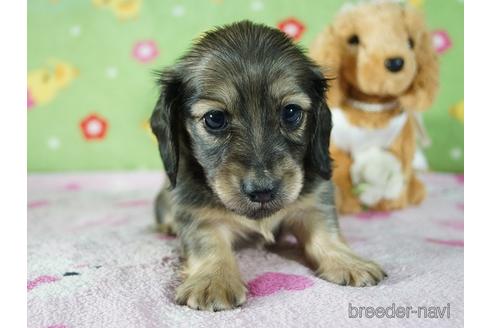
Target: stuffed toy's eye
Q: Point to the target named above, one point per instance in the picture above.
(353, 40)
(215, 120)
(411, 43)
(292, 115)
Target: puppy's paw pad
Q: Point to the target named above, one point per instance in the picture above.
(211, 294)
(351, 271)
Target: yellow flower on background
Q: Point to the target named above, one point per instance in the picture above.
(416, 3)
(123, 9)
(457, 111)
(43, 84)
(146, 126)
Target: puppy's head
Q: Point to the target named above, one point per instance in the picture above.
(247, 106)
(380, 48)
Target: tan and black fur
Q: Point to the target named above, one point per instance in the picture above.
(250, 73)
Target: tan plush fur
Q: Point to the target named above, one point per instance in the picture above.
(384, 30)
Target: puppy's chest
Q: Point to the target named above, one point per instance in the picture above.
(352, 138)
(262, 231)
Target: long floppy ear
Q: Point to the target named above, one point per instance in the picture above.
(423, 90)
(165, 123)
(326, 51)
(320, 139)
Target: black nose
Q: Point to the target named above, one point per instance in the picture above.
(261, 196)
(261, 191)
(394, 64)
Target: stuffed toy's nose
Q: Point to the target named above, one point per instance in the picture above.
(394, 64)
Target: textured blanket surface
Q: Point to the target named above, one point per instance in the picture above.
(94, 260)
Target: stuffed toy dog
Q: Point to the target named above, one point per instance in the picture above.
(384, 72)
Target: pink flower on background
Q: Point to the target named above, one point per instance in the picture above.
(72, 186)
(38, 203)
(145, 51)
(453, 224)
(460, 178)
(30, 100)
(441, 41)
(41, 280)
(446, 242)
(292, 27)
(272, 282)
(94, 127)
(373, 215)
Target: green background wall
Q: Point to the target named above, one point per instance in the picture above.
(88, 49)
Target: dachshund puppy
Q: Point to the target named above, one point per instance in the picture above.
(243, 131)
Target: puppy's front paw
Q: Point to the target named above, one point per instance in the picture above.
(211, 292)
(349, 269)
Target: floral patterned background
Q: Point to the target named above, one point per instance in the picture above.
(91, 85)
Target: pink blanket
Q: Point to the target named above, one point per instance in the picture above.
(94, 260)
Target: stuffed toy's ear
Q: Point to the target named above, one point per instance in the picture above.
(421, 93)
(326, 51)
(165, 123)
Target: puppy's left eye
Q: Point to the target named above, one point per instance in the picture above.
(292, 115)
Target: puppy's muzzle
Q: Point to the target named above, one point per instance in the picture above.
(261, 190)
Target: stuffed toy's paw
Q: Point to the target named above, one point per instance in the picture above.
(376, 174)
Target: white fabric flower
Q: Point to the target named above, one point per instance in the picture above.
(376, 174)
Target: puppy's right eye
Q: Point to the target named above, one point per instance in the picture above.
(353, 40)
(215, 120)
(292, 115)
